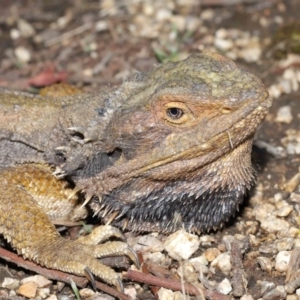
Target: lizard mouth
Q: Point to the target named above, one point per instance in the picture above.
(166, 166)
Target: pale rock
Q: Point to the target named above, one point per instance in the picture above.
(178, 296)
(284, 115)
(43, 292)
(10, 283)
(28, 289)
(265, 263)
(263, 211)
(222, 33)
(281, 261)
(224, 287)
(52, 297)
(223, 263)
(223, 44)
(181, 245)
(101, 26)
(278, 293)
(275, 91)
(187, 272)
(163, 14)
(284, 209)
(131, 292)
(40, 280)
(227, 240)
(246, 297)
(266, 286)
(284, 244)
(294, 197)
(155, 257)
(251, 54)
(274, 225)
(199, 260)
(26, 30)
(211, 253)
(292, 297)
(206, 240)
(152, 243)
(14, 34)
(285, 86)
(207, 14)
(22, 54)
(165, 294)
(86, 293)
(290, 74)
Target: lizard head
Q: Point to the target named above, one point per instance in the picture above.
(183, 135)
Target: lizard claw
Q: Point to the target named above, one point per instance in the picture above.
(133, 256)
(119, 285)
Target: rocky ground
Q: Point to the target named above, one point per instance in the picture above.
(94, 43)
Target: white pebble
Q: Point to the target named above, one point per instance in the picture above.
(223, 263)
(284, 115)
(165, 294)
(181, 245)
(281, 261)
(223, 44)
(22, 54)
(224, 287)
(274, 225)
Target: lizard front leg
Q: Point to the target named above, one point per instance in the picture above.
(26, 194)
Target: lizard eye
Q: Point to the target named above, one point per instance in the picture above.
(175, 113)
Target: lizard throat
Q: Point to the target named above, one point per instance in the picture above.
(201, 201)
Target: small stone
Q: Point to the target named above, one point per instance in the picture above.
(199, 260)
(275, 91)
(265, 263)
(26, 30)
(43, 293)
(274, 225)
(263, 211)
(246, 297)
(284, 244)
(284, 115)
(206, 240)
(52, 297)
(223, 263)
(294, 197)
(281, 261)
(101, 26)
(10, 283)
(131, 292)
(181, 245)
(156, 258)
(276, 294)
(86, 293)
(165, 294)
(28, 289)
(223, 45)
(292, 184)
(152, 243)
(22, 54)
(40, 280)
(266, 286)
(292, 297)
(251, 53)
(224, 287)
(284, 209)
(14, 34)
(211, 253)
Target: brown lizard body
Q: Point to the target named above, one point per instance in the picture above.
(166, 150)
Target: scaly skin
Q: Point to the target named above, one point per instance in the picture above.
(166, 150)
